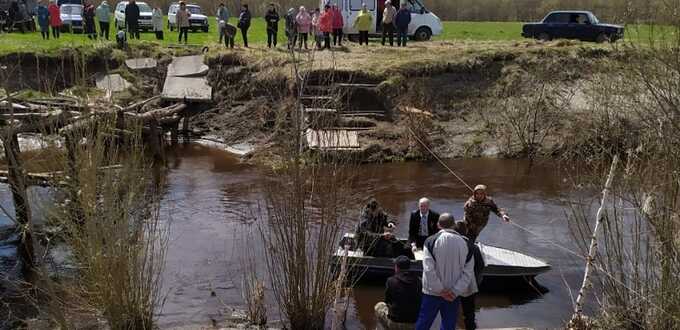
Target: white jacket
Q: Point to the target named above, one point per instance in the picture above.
(448, 269)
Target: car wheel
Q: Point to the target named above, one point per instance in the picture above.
(205, 29)
(172, 28)
(544, 37)
(423, 34)
(601, 38)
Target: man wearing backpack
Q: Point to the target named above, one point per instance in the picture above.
(448, 274)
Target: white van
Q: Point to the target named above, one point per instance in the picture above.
(197, 20)
(424, 24)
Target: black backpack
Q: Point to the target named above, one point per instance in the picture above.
(473, 252)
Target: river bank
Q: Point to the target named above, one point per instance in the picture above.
(455, 94)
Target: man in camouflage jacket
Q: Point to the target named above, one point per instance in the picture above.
(477, 210)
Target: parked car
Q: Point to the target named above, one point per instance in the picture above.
(424, 23)
(581, 25)
(72, 2)
(145, 10)
(197, 20)
(72, 18)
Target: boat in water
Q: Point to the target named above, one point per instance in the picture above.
(499, 262)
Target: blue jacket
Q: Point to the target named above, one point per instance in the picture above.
(43, 16)
(403, 19)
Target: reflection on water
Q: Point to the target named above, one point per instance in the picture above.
(214, 200)
(212, 203)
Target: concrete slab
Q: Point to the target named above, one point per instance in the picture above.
(186, 88)
(332, 139)
(141, 63)
(187, 66)
(112, 82)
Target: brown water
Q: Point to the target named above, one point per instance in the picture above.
(212, 199)
(212, 203)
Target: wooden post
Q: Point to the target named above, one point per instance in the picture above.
(174, 128)
(22, 208)
(154, 140)
(185, 128)
(577, 317)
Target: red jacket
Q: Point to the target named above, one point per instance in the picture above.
(55, 15)
(326, 21)
(338, 22)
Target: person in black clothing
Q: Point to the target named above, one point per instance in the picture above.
(467, 303)
(88, 16)
(375, 236)
(402, 298)
(272, 18)
(417, 233)
(244, 24)
(132, 19)
(15, 17)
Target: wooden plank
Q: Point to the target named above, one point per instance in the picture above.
(186, 88)
(141, 63)
(187, 66)
(320, 110)
(332, 139)
(112, 82)
(349, 85)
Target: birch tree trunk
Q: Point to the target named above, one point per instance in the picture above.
(592, 250)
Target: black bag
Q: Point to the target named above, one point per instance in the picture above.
(473, 252)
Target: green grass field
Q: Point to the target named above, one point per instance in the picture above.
(479, 31)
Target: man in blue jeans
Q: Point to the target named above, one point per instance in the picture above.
(446, 276)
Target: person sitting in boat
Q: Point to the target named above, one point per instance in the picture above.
(375, 233)
(402, 298)
(477, 210)
(423, 224)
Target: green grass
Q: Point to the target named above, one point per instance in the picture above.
(476, 31)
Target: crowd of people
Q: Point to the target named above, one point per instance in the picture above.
(452, 263)
(324, 26)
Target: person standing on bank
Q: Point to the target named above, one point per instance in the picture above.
(55, 18)
(157, 22)
(272, 17)
(401, 22)
(326, 26)
(363, 24)
(388, 22)
(244, 23)
(477, 209)
(447, 275)
(304, 25)
(222, 14)
(43, 20)
(183, 24)
(422, 224)
(291, 28)
(89, 13)
(104, 17)
(338, 25)
(132, 19)
(402, 298)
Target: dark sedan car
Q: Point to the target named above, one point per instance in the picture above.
(581, 25)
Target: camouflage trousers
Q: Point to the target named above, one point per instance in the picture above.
(381, 311)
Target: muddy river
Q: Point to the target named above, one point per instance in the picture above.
(212, 201)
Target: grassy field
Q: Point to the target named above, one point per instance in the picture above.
(478, 31)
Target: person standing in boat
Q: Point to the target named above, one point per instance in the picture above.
(402, 298)
(477, 210)
(374, 233)
(422, 224)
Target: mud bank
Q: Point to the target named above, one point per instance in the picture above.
(451, 96)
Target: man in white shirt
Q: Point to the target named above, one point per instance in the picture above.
(446, 276)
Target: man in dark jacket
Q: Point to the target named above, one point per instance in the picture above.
(244, 23)
(423, 223)
(401, 21)
(272, 18)
(402, 298)
(132, 19)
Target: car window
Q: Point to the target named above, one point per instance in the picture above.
(415, 6)
(143, 7)
(593, 19)
(71, 10)
(356, 5)
(121, 7)
(194, 9)
(578, 18)
(172, 9)
(559, 18)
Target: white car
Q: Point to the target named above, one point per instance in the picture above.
(145, 12)
(197, 20)
(424, 23)
(71, 17)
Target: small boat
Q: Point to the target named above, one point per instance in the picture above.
(499, 262)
